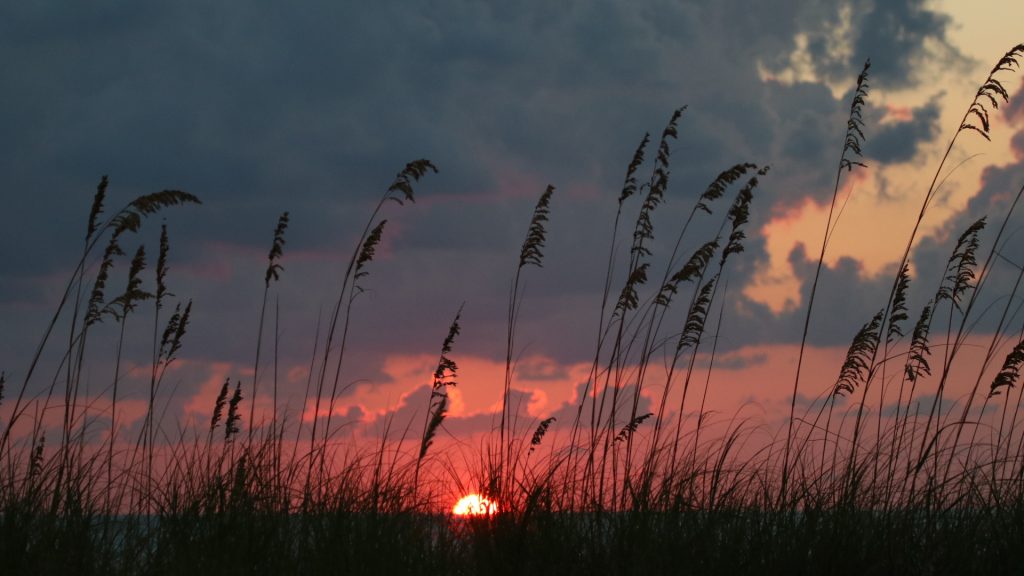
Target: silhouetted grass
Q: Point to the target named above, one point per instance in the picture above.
(922, 491)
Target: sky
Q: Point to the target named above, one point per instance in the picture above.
(264, 107)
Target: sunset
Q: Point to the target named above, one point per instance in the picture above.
(475, 288)
(474, 505)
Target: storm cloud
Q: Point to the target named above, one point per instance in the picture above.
(262, 108)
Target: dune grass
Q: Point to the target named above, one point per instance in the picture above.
(838, 489)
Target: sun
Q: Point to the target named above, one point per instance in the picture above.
(474, 505)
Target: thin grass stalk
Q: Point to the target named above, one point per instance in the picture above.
(127, 301)
(658, 308)
(1019, 457)
(305, 405)
(960, 272)
(711, 365)
(76, 341)
(437, 401)
(851, 145)
(399, 191)
(71, 380)
(986, 271)
(693, 329)
(915, 366)
(127, 219)
(273, 418)
(948, 289)
(273, 273)
(636, 277)
(1002, 421)
(161, 293)
(871, 334)
(629, 188)
(894, 333)
(531, 254)
(694, 268)
(977, 111)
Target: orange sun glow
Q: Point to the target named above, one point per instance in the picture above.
(474, 505)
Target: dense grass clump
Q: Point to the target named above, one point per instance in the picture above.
(643, 480)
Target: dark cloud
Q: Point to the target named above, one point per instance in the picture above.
(895, 35)
(312, 109)
(899, 37)
(818, 404)
(1014, 110)
(733, 361)
(998, 201)
(845, 299)
(900, 141)
(924, 404)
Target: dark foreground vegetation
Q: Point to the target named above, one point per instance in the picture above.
(841, 488)
(741, 541)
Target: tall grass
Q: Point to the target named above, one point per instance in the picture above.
(645, 478)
